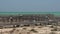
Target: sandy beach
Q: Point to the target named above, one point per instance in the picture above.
(28, 30)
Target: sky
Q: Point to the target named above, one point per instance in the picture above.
(29, 5)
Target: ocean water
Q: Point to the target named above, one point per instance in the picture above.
(16, 13)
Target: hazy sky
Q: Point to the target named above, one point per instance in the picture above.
(29, 5)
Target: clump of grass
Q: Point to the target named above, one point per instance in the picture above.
(27, 25)
(33, 30)
(51, 26)
(39, 27)
(24, 28)
(55, 29)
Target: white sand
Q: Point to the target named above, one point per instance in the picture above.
(20, 30)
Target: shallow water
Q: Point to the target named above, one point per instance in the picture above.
(16, 13)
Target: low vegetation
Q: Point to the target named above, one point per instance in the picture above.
(33, 30)
(24, 28)
(52, 26)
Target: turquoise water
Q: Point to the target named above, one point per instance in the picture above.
(16, 13)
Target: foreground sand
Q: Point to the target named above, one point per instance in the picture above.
(28, 30)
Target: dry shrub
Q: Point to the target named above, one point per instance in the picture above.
(39, 27)
(33, 30)
(55, 29)
(51, 26)
(27, 25)
(24, 28)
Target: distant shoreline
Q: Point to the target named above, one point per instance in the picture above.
(17, 13)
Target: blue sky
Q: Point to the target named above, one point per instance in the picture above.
(29, 5)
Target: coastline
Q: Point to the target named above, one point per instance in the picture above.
(17, 13)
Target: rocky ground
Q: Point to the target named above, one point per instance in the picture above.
(30, 30)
